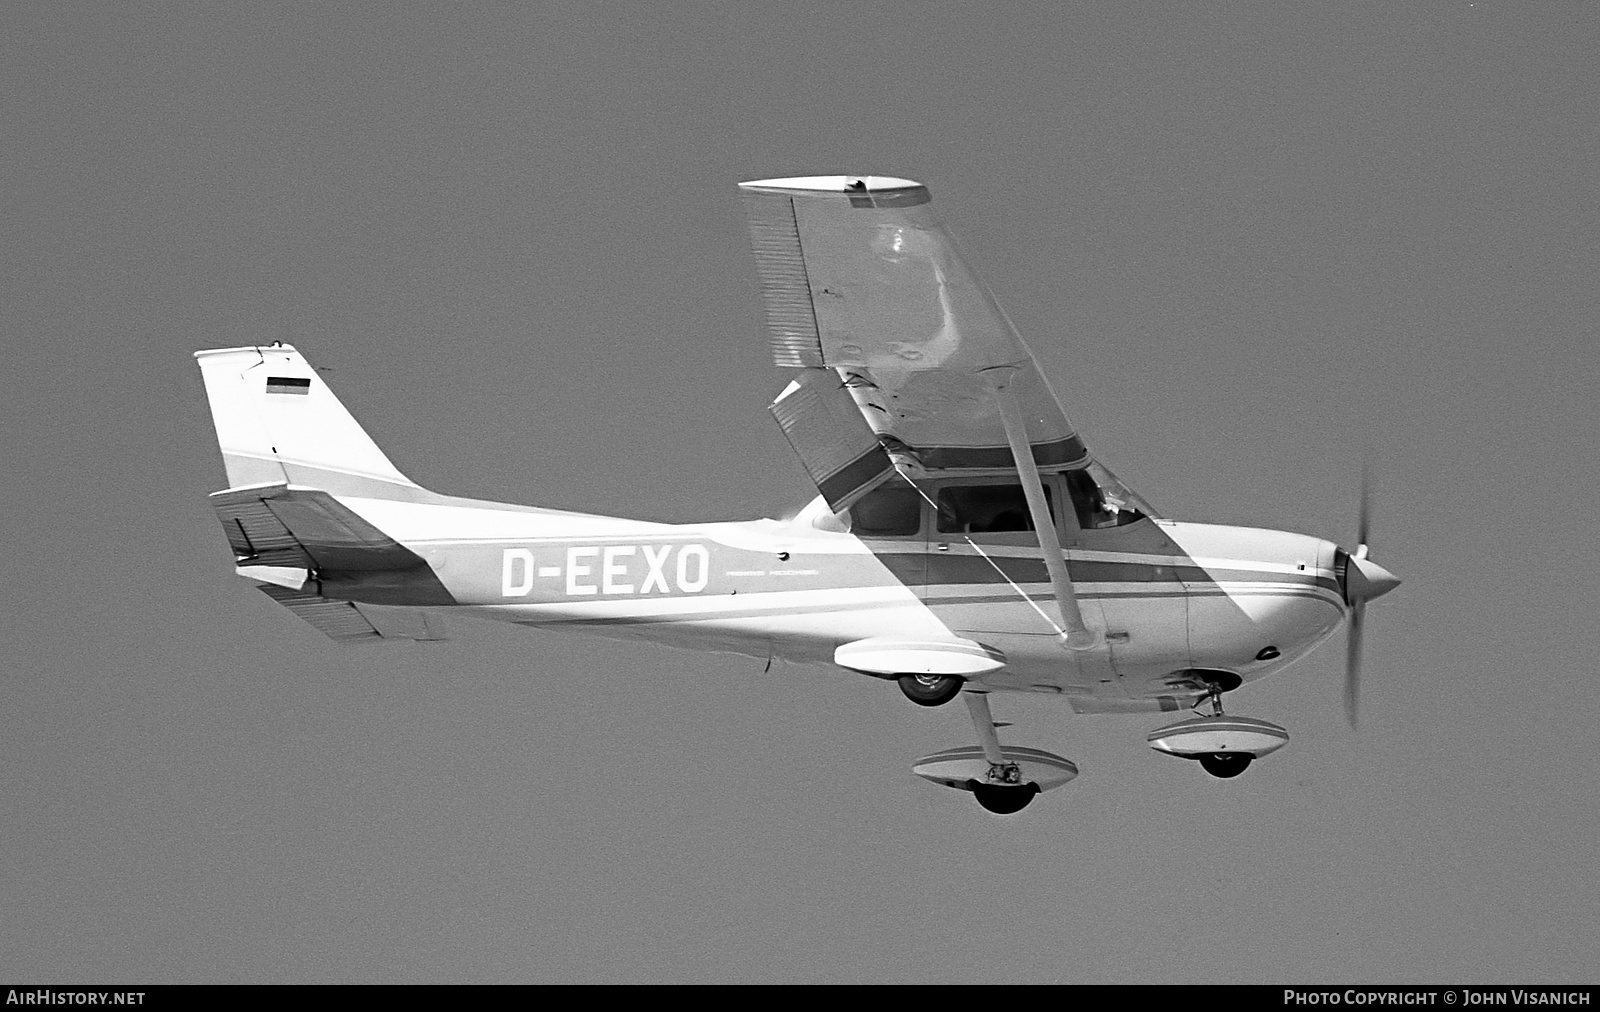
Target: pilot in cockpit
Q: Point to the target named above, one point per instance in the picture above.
(983, 509)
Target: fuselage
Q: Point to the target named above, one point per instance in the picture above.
(1174, 599)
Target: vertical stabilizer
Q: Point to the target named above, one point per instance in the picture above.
(277, 421)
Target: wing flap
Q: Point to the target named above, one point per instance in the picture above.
(838, 449)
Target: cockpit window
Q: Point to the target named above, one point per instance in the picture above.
(891, 510)
(1103, 503)
(986, 509)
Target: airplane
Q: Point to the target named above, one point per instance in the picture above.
(964, 540)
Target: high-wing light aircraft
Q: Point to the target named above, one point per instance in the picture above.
(965, 541)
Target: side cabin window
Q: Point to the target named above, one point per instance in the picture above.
(986, 509)
(888, 511)
(1095, 509)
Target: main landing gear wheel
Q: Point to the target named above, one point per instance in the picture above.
(1225, 764)
(931, 690)
(1003, 800)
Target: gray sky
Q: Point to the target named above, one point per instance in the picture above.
(1248, 243)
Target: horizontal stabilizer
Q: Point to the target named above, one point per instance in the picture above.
(313, 555)
(255, 533)
(353, 623)
(395, 623)
(339, 619)
(277, 525)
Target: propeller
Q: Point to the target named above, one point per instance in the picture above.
(1362, 580)
(1352, 664)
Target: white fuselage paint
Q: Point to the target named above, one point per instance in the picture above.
(1216, 599)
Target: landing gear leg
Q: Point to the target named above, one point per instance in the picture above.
(1001, 790)
(1214, 693)
(1222, 765)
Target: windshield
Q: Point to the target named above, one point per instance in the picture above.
(1101, 500)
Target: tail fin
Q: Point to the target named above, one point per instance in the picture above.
(277, 421)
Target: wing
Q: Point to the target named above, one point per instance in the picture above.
(865, 291)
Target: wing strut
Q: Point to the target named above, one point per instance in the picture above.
(1075, 635)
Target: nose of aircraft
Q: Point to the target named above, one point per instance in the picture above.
(1365, 580)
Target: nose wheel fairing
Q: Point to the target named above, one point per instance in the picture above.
(1224, 746)
(1197, 736)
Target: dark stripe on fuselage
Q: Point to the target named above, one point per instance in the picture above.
(555, 616)
(1043, 593)
(909, 567)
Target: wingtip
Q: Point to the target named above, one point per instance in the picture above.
(861, 191)
(209, 352)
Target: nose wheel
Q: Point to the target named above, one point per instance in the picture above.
(1225, 765)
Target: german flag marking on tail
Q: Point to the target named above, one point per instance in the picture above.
(288, 385)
